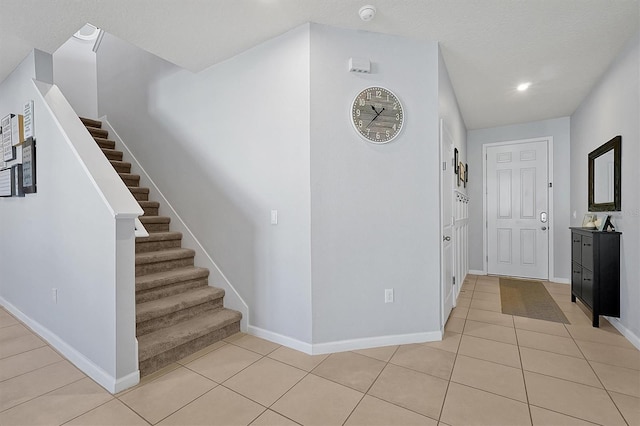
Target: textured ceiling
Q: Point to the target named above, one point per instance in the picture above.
(489, 46)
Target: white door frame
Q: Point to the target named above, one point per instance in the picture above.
(549, 140)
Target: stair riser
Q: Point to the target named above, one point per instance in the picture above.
(175, 317)
(131, 181)
(145, 247)
(150, 211)
(89, 122)
(122, 168)
(156, 227)
(98, 133)
(106, 144)
(141, 196)
(170, 290)
(163, 359)
(113, 155)
(151, 268)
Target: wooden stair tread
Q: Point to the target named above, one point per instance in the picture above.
(160, 236)
(163, 255)
(96, 132)
(158, 279)
(129, 175)
(165, 339)
(105, 143)
(140, 189)
(149, 203)
(166, 305)
(154, 219)
(90, 122)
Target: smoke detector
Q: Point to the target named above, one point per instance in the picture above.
(367, 12)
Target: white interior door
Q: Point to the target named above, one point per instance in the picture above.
(517, 210)
(446, 221)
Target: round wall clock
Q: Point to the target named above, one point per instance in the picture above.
(377, 115)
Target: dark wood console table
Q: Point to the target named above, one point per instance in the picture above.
(595, 271)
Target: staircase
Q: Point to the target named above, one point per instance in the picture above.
(177, 312)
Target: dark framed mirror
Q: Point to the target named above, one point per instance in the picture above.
(605, 177)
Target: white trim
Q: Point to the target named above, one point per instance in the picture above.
(240, 304)
(630, 335)
(549, 140)
(345, 345)
(477, 272)
(374, 342)
(287, 341)
(95, 372)
(560, 280)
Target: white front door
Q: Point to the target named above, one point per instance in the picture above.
(517, 210)
(446, 222)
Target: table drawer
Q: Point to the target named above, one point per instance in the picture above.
(587, 252)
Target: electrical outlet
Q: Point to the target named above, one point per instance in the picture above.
(388, 295)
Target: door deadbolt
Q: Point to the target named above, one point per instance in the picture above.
(543, 217)
(446, 238)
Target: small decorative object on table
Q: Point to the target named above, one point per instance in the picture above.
(589, 221)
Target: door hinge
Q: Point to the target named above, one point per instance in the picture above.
(550, 185)
(454, 280)
(444, 165)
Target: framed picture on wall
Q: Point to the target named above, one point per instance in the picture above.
(460, 173)
(466, 173)
(455, 161)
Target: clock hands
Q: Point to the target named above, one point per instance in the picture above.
(377, 114)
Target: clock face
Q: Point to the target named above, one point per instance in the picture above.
(377, 115)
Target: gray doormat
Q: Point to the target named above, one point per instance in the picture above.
(529, 299)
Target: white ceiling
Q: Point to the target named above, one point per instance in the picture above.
(489, 46)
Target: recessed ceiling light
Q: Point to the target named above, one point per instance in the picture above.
(524, 86)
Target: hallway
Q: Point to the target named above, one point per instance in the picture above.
(490, 368)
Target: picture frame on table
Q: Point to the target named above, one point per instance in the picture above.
(601, 221)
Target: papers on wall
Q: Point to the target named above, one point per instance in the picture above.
(28, 120)
(5, 183)
(8, 150)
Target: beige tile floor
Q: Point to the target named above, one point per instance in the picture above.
(490, 369)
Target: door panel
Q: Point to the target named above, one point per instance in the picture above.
(446, 218)
(517, 194)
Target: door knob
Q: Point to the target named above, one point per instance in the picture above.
(544, 228)
(446, 238)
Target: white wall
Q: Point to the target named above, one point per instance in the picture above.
(374, 208)
(74, 72)
(612, 108)
(269, 129)
(449, 110)
(226, 146)
(65, 236)
(559, 129)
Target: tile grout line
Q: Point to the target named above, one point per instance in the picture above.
(598, 377)
(455, 359)
(524, 380)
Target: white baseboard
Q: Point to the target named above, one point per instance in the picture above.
(100, 376)
(476, 272)
(345, 345)
(630, 335)
(560, 280)
(289, 342)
